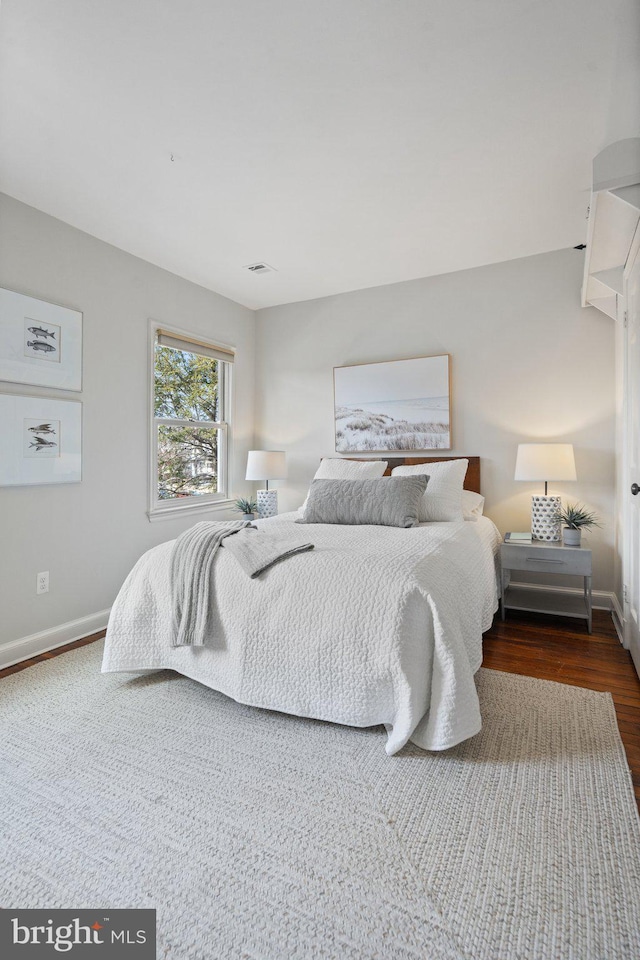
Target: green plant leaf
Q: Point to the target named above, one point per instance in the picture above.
(246, 506)
(575, 516)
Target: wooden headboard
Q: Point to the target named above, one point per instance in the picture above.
(471, 480)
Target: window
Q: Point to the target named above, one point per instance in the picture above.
(191, 400)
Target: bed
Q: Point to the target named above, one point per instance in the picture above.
(375, 626)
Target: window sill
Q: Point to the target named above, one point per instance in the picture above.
(189, 509)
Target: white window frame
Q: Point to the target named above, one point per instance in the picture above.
(170, 509)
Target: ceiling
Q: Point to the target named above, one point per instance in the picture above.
(347, 143)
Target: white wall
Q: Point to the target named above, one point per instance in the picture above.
(88, 535)
(528, 363)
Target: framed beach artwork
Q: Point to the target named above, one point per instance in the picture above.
(40, 342)
(40, 440)
(393, 405)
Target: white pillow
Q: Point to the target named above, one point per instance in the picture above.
(334, 468)
(472, 505)
(443, 497)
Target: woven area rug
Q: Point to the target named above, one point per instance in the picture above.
(266, 837)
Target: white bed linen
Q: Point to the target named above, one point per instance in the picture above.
(376, 625)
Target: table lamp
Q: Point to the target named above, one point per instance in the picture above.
(266, 465)
(545, 461)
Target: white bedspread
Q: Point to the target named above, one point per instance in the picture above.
(376, 625)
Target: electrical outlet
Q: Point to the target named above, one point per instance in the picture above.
(42, 582)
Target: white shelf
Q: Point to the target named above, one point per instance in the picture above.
(537, 601)
(614, 216)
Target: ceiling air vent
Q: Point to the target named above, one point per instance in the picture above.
(259, 268)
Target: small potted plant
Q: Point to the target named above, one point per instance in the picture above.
(247, 508)
(574, 518)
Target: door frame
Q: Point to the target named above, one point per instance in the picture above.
(634, 649)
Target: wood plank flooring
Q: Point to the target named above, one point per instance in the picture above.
(550, 648)
(560, 649)
(50, 654)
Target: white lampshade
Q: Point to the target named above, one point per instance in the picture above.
(266, 465)
(545, 461)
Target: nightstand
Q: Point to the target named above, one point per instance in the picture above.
(554, 559)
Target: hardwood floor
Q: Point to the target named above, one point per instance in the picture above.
(560, 649)
(51, 653)
(550, 648)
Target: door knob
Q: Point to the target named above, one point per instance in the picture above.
(635, 489)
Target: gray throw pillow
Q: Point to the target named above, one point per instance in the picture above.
(388, 501)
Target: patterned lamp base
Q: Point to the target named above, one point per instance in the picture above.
(267, 503)
(545, 518)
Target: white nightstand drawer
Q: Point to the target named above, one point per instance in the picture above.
(563, 560)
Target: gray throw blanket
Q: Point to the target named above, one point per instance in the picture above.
(256, 550)
(191, 568)
(191, 562)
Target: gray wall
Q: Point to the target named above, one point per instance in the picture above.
(88, 535)
(528, 364)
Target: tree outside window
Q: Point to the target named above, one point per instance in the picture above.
(190, 423)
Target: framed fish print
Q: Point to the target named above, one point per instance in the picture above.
(394, 405)
(40, 440)
(40, 342)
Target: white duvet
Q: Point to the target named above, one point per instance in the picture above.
(376, 625)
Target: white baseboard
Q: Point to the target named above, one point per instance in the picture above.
(26, 647)
(618, 618)
(37, 643)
